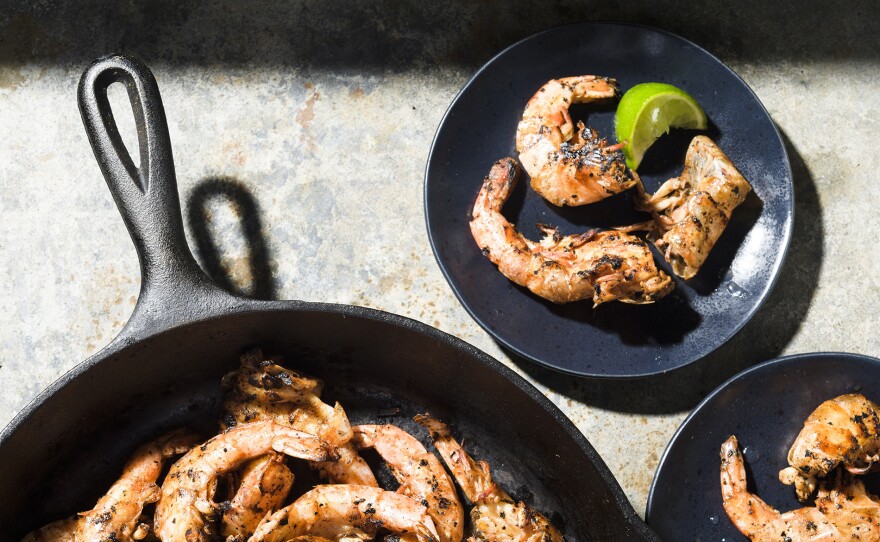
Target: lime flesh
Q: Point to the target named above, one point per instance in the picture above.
(649, 110)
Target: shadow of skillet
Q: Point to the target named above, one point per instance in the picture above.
(763, 338)
(406, 35)
(258, 283)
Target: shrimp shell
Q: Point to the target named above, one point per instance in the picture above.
(117, 514)
(420, 473)
(598, 265)
(570, 167)
(186, 510)
(261, 389)
(844, 511)
(265, 483)
(844, 430)
(691, 211)
(495, 516)
(347, 511)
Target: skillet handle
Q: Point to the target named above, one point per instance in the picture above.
(174, 289)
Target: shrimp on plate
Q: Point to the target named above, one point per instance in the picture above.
(421, 475)
(598, 265)
(186, 510)
(263, 486)
(844, 511)
(348, 512)
(495, 516)
(691, 211)
(841, 431)
(261, 389)
(117, 514)
(568, 166)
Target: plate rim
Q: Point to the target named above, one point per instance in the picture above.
(782, 360)
(777, 268)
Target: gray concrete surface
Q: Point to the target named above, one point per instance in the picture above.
(316, 119)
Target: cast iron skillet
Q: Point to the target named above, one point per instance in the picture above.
(765, 407)
(163, 370)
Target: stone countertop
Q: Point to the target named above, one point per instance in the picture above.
(301, 132)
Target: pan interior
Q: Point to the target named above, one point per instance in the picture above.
(71, 447)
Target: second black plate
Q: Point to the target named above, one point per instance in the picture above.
(615, 340)
(765, 407)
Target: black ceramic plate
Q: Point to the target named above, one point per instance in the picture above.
(765, 407)
(615, 340)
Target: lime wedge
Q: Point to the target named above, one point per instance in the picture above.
(648, 111)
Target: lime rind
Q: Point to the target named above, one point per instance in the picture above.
(649, 110)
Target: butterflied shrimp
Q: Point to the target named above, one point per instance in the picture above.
(495, 515)
(841, 431)
(692, 210)
(568, 166)
(421, 475)
(117, 514)
(598, 265)
(347, 512)
(261, 389)
(844, 511)
(186, 510)
(265, 483)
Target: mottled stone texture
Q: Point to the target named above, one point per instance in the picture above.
(301, 131)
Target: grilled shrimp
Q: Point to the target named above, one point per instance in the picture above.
(570, 167)
(844, 430)
(602, 265)
(495, 516)
(843, 512)
(185, 510)
(347, 512)
(692, 210)
(116, 515)
(420, 473)
(261, 389)
(265, 483)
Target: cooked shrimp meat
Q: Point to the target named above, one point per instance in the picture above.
(348, 511)
(117, 514)
(598, 265)
(421, 475)
(261, 389)
(186, 509)
(570, 166)
(844, 511)
(841, 431)
(691, 210)
(495, 516)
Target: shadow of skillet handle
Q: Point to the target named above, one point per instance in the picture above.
(236, 195)
(174, 289)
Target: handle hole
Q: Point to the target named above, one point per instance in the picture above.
(124, 116)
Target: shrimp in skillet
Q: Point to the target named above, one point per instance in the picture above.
(568, 166)
(844, 511)
(844, 430)
(421, 475)
(116, 515)
(348, 512)
(495, 516)
(261, 389)
(265, 483)
(186, 510)
(692, 210)
(598, 265)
